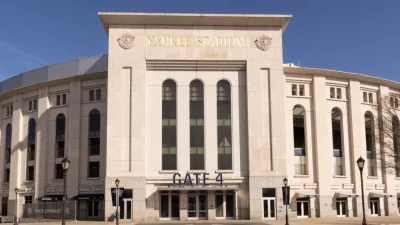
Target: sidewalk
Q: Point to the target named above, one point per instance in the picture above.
(393, 220)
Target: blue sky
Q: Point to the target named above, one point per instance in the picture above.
(357, 36)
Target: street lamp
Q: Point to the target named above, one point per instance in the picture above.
(16, 206)
(360, 163)
(286, 198)
(117, 199)
(65, 165)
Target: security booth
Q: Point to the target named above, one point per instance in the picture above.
(90, 207)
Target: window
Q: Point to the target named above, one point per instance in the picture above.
(4, 204)
(301, 90)
(95, 94)
(8, 143)
(339, 93)
(337, 141)
(224, 128)
(332, 92)
(61, 99)
(60, 136)
(365, 96)
(302, 207)
(30, 173)
(169, 204)
(299, 140)
(94, 169)
(368, 97)
(7, 175)
(370, 143)
(196, 125)
(294, 89)
(31, 139)
(169, 147)
(59, 172)
(94, 132)
(93, 208)
(341, 207)
(9, 111)
(298, 90)
(396, 103)
(28, 199)
(32, 105)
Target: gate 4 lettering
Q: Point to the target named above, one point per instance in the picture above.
(189, 181)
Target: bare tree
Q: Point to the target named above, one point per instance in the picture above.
(389, 133)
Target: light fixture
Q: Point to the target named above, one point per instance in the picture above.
(65, 163)
(117, 182)
(285, 181)
(360, 163)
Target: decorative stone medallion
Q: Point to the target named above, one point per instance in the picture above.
(126, 41)
(263, 42)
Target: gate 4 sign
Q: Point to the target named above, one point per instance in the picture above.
(187, 181)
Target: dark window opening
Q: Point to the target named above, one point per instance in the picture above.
(196, 125)
(94, 132)
(31, 139)
(169, 139)
(98, 94)
(59, 172)
(91, 95)
(7, 175)
(8, 143)
(60, 136)
(30, 173)
(224, 125)
(337, 141)
(94, 169)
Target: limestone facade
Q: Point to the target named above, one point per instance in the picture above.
(145, 50)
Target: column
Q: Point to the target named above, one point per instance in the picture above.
(74, 134)
(42, 136)
(183, 127)
(211, 205)
(210, 127)
(183, 200)
(16, 156)
(323, 153)
(357, 144)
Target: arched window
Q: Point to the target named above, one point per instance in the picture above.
(299, 139)
(196, 125)
(94, 132)
(337, 141)
(31, 139)
(224, 125)
(60, 136)
(370, 142)
(8, 152)
(396, 143)
(8, 143)
(169, 149)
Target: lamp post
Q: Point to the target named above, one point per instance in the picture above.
(360, 163)
(117, 200)
(16, 206)
(65, 165)
(286, 199)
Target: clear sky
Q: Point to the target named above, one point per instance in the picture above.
(360, 36)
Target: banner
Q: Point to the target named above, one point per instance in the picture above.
(49, 210)
(286, 195)
(114, 196)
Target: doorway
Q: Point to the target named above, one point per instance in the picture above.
(302, 207)
(169, 205)
(374, 206)
(197, 206)
(126, 209)
(225, 205)
(341, 207)
(268, 208)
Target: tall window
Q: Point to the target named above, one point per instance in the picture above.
(8, 143)
(396, 143)
(370, 143)
(196, 125)
(299, 140)
(94, 132)
(31, 139)
(60, 136)
(169, 125)
(224, 125)
(337, 141)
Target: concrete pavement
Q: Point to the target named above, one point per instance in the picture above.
(393, 220)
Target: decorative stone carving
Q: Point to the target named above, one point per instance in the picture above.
(126, 41)
(263, 42)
